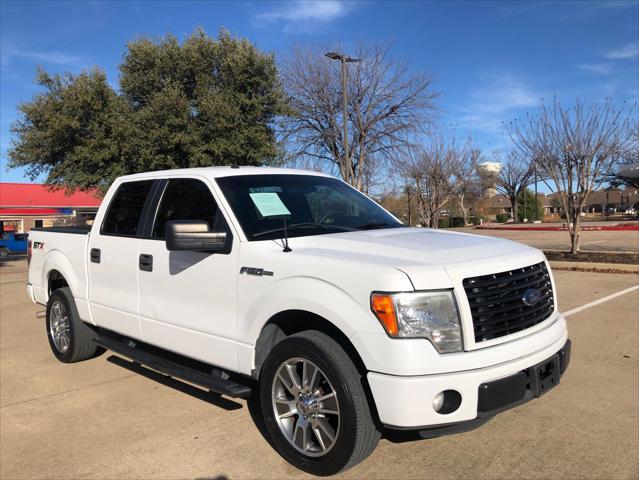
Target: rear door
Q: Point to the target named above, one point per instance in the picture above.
(113, 259)
(188, 300)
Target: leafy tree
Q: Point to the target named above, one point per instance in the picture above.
(200, 103)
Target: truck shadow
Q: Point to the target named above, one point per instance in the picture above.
(254, 406)
(204, 395)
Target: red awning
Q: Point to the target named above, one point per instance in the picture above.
(29, 211)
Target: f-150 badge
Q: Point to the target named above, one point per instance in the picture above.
(259, 272)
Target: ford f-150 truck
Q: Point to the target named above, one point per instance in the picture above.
(294, 288)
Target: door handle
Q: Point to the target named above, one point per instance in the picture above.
(95, 255)
(146, 262)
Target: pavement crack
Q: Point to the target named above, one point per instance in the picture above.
(50, 395)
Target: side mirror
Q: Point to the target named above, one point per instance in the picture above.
(195, 236)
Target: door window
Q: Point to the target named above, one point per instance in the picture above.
(125, 209)
(187, 199)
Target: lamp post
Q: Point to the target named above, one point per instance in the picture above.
(344, 60)
(536, 200)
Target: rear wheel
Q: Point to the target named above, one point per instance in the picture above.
(70, 339)
(4, 252)
(314, 405)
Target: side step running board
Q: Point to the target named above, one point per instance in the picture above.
(216, 383)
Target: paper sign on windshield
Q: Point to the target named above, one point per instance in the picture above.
(269, 204)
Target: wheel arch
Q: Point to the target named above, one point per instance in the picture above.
(55, 280)
(57, 271)
(289, 322)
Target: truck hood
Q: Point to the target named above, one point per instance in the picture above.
(422, 253)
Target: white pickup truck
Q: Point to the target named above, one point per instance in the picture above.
(294, 287)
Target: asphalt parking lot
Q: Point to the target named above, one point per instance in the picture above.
(96, 419)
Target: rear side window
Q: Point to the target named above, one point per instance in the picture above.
(187, 199)
(123, 215)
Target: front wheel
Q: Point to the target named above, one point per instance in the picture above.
(4, 252)
(314, 405)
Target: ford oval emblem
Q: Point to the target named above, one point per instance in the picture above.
(531, 297)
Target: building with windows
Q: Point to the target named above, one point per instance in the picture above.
(24, 206)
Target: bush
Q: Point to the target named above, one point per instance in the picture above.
(502, 217)
(450, 222)
(458, 222)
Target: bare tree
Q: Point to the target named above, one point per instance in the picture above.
(432, 171)
(466, 177)
(574, 149)
(515, 175)
(386, 104)
(630, 159)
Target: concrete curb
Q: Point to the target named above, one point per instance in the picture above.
(584, 228)
(595, 267)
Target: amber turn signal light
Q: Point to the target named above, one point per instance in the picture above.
(384, 309)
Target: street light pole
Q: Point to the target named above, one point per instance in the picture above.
(536, 200)
(344, 60)
(347, 157)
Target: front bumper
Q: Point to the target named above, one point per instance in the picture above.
(406, 402)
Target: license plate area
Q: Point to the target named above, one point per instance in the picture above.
(544, 376)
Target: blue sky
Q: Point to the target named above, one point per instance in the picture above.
(492, 61)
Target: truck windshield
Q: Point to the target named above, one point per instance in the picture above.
(310, 204)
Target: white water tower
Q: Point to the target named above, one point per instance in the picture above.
(488, 173)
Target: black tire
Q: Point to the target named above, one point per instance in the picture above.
(357, 435)
(80, 345)
(4, 252)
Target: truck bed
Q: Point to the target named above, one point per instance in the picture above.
(75, 229)
(65, 247)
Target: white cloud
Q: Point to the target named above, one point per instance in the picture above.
(494, 101)
(598, 68)
(302, 14)
(610, 4)
(500, 93)
(630, 50)
(47, 57)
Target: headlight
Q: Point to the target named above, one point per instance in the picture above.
(431, 315)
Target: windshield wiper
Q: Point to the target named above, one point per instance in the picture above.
(293, 226)
(371, 225)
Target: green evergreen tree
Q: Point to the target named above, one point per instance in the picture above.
(526, 206)
(203, 102)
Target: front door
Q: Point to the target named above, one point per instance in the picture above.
(188, 299)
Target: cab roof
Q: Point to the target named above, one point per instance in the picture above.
(218, 172)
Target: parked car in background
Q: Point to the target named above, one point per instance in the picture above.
(12, 243)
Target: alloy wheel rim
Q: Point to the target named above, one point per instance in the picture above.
(306, 407)
(60, 327)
